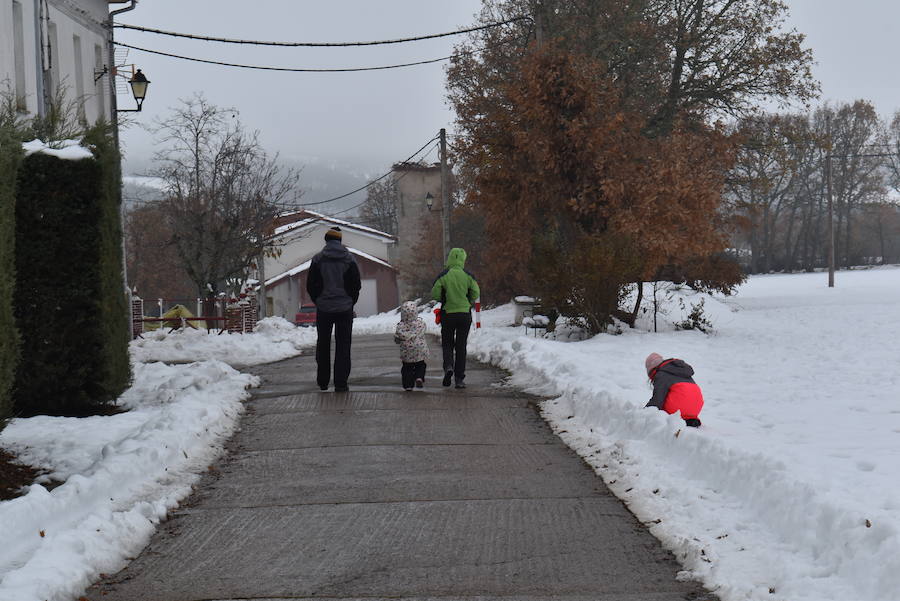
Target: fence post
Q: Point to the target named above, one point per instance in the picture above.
(137, 316)
(159, 301)
(234, 319)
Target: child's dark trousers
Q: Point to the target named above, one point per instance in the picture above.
(410, 372)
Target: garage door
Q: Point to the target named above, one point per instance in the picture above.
(368, 299)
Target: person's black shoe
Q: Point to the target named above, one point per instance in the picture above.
(325, 387)
(448, 375)
(407, 389)
(342, 389)
(692, 422)
(460, 385)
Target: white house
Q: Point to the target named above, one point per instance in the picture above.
(45, 44)
(300, 235)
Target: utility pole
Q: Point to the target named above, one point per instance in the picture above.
(445, 196)
(830, 206)
(539, 23)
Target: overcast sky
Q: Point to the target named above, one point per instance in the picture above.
(372, 119)
(367, 119)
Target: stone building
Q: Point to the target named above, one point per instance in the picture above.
(414, 183)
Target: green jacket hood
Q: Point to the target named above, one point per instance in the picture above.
(456, 258)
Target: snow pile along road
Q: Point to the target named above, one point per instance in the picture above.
(274, 339)
(789, 490)
(121, 474)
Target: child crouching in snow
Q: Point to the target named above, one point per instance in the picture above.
(673, 388)
(410, 335)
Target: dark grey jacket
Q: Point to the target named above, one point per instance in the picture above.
(333, 281)
(669, 372)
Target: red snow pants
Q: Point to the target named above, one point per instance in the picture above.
(685, 397)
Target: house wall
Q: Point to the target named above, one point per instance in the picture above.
(413, 183)
(288, 294)
(302, 245)
(68, 19)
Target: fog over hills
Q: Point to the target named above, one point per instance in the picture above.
(319, 180)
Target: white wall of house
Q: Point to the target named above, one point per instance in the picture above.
(285, 298)
(301, 244)
(75, 46)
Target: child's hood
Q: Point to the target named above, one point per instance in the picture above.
(409, 311)
(456, 258)
(676, 367)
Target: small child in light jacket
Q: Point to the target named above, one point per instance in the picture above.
(410, 335)
(674, 388)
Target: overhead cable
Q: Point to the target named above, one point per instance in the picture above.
(401, 176)
(361, 188)
(319, 44)
(303, 70)
(293, 70)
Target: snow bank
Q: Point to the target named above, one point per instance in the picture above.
(69, 150)
(274, 339)
(122, 474)
(789, 489)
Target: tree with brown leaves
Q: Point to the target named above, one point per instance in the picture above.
(578, 201)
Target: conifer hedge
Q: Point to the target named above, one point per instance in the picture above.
(10, 155)
(70, 302)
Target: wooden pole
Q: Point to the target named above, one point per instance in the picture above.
(445, 195)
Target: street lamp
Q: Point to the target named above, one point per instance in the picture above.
(429, 200)
(139, 83)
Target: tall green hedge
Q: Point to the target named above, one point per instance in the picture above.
(70, 302)
(10, 156)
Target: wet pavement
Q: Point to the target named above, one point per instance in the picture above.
(379, 494)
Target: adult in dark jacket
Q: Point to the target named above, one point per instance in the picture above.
(333, 284)
(674, 388)
(456, 289)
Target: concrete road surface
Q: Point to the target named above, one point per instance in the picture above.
(376, 494)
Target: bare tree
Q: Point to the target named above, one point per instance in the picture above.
(761, 181)
(222, 191)
(380, 208)
(857, 171)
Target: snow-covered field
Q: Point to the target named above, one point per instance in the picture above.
(789, 490)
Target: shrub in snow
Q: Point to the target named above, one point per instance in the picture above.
(696, 319)
(69, 302)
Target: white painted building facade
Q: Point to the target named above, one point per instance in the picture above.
(49, 44)
(299, 241)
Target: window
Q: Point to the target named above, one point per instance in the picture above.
(19, 54)
(79, 75)
(100, 84)
(53, 57)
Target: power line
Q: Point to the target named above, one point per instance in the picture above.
(304, 70)
(402, 175)
(319, 44)
(301, 206)
(361, 188)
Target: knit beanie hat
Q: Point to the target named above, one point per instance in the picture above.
(652, 361)
(334, 234)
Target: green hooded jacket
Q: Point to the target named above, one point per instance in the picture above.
(455, 288)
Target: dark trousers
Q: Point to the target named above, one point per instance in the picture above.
(342, 323)
(410, 372)
(454, 334)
